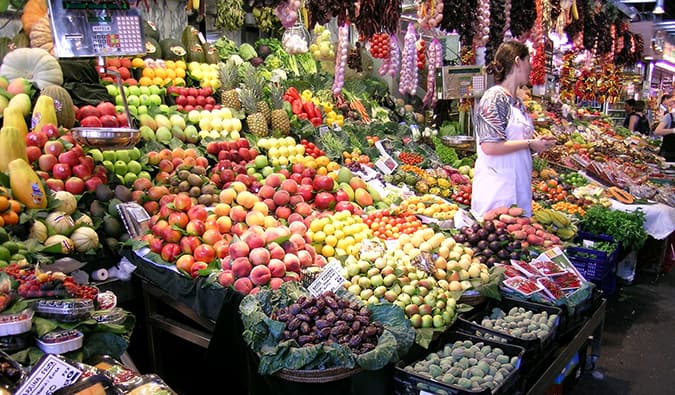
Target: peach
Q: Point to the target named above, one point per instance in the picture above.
(281, 198)
(274, 180)
(254, 240)
(238, 214)
(298, 241)
(255, 218)
(222, 248)
(165, 154)
(227, 195)
(266, 192)
(260, 275)
(273, 234)
(305, 258)
(277, 267)
(226, 263)
(255, 290)
(239, 228)
(294, 217)
(270, 222)
(298, 228)
(221, 209)
(195, 227)
(243, 285)
(270, 205)
(211, 236)
(283, 212)
(247, 199)
(185, 262)
(276, 252)
(259, 256)
(320, 261)
(289, 186)
(292, 263)
(303, 209)
(295, 200)
(238, 186)
(226, 278)
(224, 224)
(239, 249)
(289, 247)
(275, 283)
(260, 207)
(241, 267)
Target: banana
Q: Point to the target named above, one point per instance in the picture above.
(559, 219)
(543, 217)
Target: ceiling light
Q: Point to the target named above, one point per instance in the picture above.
(658, 9)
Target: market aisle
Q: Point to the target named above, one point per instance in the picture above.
(638, 348)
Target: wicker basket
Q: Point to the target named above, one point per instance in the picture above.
(317, 376)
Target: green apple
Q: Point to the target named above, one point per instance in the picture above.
(134, 153)
(133, 110)
(97, 155)
(438, 321)
(266, 171)
(134, 167)
(155, 100)
(427, 321)
(109, 166)
(250, 171)
(260, 161)
(164, 109)
(122, 155)
(112, 90)
(145, 174)
(129, 179)
(121, 168)
(119, 109)
(133, 100)
(118, 101)
(109, 156)
(134, 90)
(142, 109)
(128, 90)
(145, 99)
(144, 90)
(155, 90)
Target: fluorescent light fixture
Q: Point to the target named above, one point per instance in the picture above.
(658, 9)
(666, 66)
(649, 58)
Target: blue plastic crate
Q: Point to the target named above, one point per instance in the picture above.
(593, 264)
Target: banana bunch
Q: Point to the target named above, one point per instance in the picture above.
(264, 18)
(556, 222)
(229, 15)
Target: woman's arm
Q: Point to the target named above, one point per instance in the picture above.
(661, 130)
(508, 146)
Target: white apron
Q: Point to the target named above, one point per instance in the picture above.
(504, 180)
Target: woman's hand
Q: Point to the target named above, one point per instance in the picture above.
(541, 144)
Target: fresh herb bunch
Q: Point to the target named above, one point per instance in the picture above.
(627, 228)
(446, 154)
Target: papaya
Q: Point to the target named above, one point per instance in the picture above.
(621, 195)
(12, 146)
(44, 112)
(12, 118)
(26, 185)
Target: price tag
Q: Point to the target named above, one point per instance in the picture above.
(50, 374)
(423, 392)
(588, 243)
(386, 165)
(323, 129)
(462, 219)
(330, 279)
(392, 244)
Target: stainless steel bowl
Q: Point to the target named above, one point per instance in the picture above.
(460, 142)
(106, 138)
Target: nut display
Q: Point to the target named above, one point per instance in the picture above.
(519, 322)
(329, 319)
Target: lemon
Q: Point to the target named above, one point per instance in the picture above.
(319, 237)
(331, 240)
(327, 251)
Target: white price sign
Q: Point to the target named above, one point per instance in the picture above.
(330, 279)
(49, 375)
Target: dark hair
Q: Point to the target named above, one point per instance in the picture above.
(639, 106)
(505, 58)
(665, 97)
(631, 102)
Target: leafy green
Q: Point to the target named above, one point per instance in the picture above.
(380, 356)
(394, 320)
(627, 228)
(491, 288)
(446, 154)
(225, 47)
(306, 62)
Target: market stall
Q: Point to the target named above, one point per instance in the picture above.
(295, 204)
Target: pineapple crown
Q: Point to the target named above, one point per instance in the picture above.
(229, 75)
(248, 100)
(254, 82)
(276, 95)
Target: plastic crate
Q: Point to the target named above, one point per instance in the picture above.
(593, 264)
(607, 285)
(535, 349)
(409, 383)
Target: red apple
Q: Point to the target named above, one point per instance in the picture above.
(306, 191)
(70, 158)
(81, 171)
(122, 120)
(324, 200)
(91, 122)
(106, 108)
(61, 171)
(75, 185)
(46, 162)
(341, 196)
(92, 182)
(109, 121)
(179, 219)
(55, 184)
(37, 139)
(87, 111)
(195, 227)
(50, 130)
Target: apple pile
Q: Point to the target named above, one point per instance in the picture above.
(216, 124)
(260, 258)
(103, 115)
(233, 158)
(392, 277)
(124, 164)
(188, 99)
(62, 163)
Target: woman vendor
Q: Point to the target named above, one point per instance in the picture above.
(503, 171)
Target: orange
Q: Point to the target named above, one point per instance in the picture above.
(10, 218)
(4, 203)
(145, 81)
(170, 64)
(160, 72)
(15, 205)
(180, 64)
(170, 74)
(158, 81)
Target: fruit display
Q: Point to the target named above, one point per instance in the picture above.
(556, 222)
(467, 364)
(339, 234)
(329, 318)
(388, 226)
(429, 205)
(188, 99)
(528, 325)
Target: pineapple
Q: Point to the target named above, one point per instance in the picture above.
(255, 120)
(279, 117)
(229, 81)
(255, 82)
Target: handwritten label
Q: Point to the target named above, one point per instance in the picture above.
(330, 280)
(392, 244)
(323, 129)
(49, 375)
(462, 218)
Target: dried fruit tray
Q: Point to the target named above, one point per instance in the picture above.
(409, 383)
(535, 349)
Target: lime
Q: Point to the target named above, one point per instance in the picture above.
(12, 246)
(17, 257)
(4, 253)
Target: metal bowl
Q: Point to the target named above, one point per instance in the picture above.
(460, 142)
(106, 138)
